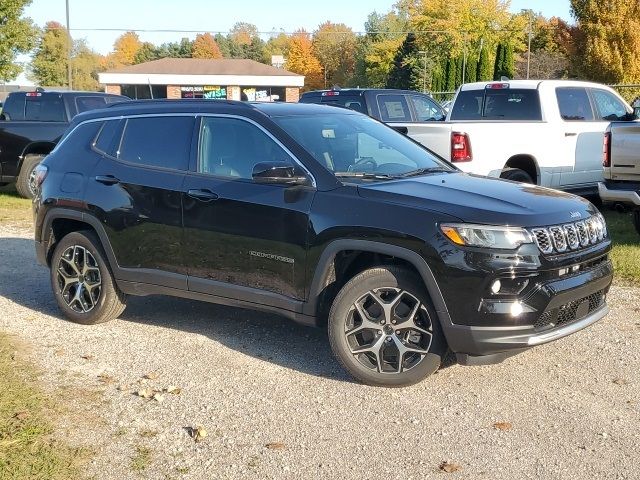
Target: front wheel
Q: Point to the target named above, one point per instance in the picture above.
(383, 328)
(82, 282)
(516, 175)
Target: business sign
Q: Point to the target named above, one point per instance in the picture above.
(214, 92)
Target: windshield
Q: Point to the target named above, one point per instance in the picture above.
(357, 146)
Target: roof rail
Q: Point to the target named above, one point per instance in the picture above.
(164, 101)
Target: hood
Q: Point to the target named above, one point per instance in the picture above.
(476, 199)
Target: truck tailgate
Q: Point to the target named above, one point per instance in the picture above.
(625, 151)
(436, 136)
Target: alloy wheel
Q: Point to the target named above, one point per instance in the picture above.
(388, 330)
(79, 279)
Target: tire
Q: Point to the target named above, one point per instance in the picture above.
(416, 327)
(79, 258)
(516, 175)
(25, 183)
(636, 219)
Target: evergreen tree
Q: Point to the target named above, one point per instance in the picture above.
(505, 63)
(459, 71)
(498, 66)
(450, 78)
(471, 73)
(402, 74)
(484, 70)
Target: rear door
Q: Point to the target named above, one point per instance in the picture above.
(135, 192)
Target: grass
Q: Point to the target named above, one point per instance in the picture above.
(27, 449)
(13, 208)
(626, 246)
(142, 458)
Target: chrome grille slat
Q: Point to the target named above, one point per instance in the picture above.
(570, 236)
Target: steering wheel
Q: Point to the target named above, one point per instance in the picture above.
(364, 161)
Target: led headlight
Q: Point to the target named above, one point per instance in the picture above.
(489, 236)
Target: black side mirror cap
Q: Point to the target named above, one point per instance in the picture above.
(278, 173)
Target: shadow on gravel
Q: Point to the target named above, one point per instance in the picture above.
(264, 336)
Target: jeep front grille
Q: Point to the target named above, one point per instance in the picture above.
(570, 236)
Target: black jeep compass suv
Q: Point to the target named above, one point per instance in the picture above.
(323, 215)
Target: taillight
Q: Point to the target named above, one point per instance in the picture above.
(40, 174)
(606, 150)
(460, 147)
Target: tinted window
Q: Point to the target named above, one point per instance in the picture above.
(574, 104)
(105, 142)
(394, 108)
(157, 141)
(231, 148)
(497, 104)
(45, 108)
(84, 104)
(352, 102)
(357, 144)
(610, 108)
(14, 107)
(426, 109)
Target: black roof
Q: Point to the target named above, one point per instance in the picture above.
(359, 91)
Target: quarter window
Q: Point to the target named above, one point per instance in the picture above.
(230, 147)
(105, 143)
(394, 108)
(157, 142)
(574, 104)
(610, 108)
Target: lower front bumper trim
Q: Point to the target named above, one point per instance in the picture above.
(568, 329)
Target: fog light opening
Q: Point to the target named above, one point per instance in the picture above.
(516, 309)
(496, 286)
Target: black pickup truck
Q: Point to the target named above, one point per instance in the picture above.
(32, 123)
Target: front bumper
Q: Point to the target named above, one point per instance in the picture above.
(612, 193)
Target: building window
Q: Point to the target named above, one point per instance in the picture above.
(144, 92)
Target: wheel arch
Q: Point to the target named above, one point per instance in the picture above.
(365, 254)
(527, 163)
(36, 148)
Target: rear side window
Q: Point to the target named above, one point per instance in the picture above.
(498, 104)
(13, 108)
(45, 108)
(574, 104)
(157, 142)
(84, 104)
(105, 142)
(394, 108)
(610, 108)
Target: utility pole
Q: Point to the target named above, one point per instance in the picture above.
(529, 45)
(69, 75)
(424, 72)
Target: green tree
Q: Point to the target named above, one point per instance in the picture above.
(334, 45)
(49, 63)
(17, 35)
(608, 41)
(504, 64)
(451, 74)
(499, 62)
(146, 53)
(85, 66)
(471, 70)
(277, 45)
(404, 73)
(485, 69)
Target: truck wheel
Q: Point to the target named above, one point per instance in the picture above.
(82, 282)
(516, 175)
(383, 328)
(636, 219)
(26, 183)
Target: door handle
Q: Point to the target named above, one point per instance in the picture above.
(107, 179)
(570, 134)
(203, 195)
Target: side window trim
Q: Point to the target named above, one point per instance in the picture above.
(196, 166)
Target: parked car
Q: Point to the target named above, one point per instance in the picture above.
(545, 132)
(323, 215)
(387, 105)
(621, 163)
(30, 125)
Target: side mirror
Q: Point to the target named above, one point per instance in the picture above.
(277, 173)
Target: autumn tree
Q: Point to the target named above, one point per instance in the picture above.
(50, 58)
(302, 60)
(334, 45)
(277, 45)
(17, 35)
(608, 48)
(85, 66)
(204, 46)
(125, 49)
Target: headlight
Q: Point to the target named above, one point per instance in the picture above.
(505, 238)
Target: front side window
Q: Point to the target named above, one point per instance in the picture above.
(610, 108)
(354, 144)
(84, 104)
(574, 104)
(426, 110)
(230, 147)
(157, 141)
(394, 108)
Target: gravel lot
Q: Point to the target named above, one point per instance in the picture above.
(571, 409)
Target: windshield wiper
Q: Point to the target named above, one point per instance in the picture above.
(425, 171)
(367, 176)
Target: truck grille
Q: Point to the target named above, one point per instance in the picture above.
(568, 313)
(571, 236)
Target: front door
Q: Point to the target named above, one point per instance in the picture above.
(243, 239)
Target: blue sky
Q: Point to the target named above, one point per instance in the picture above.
(216, 15)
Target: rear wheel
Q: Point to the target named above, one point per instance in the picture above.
(383, 328)
(516, 175)
(82, 281)
(636, 219)
(26, 183)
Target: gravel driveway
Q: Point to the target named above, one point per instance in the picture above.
(276, 405)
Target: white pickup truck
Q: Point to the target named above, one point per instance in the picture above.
(546, 132)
